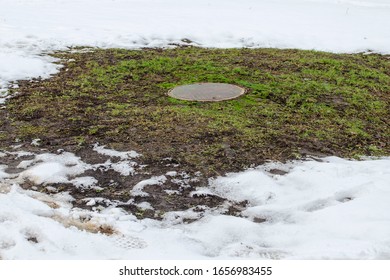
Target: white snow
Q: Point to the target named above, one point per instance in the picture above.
(85, 182)
(125, 168)
(36, 142)
(29, 28)
(171, 173)
(138, 190)
(171, 192)
(201, 192)
(51, 168)
(2, 173)
(145, 205)
(112, 153)
(337, 209)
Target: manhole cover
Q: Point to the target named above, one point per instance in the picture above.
(206, 92)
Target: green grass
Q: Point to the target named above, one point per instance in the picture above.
(297, 103)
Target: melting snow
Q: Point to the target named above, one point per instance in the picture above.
(112, 153)
(138, 189)
(316, 210)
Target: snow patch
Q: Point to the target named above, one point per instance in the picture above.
(86, 182)
(51, 168)
(318, 210)
(3, 174)
(145, 206)
(125, 168)
(113, 153)
(155, 180)
(171, 173)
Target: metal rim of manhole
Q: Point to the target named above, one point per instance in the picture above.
(206, 92)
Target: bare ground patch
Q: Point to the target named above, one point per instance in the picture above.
(298, 104)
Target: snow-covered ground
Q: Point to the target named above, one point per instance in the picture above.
(332, 209)
(30, 27)
(335, 209)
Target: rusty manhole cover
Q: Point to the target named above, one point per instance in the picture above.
(206, 92)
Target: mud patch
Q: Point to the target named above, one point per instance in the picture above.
(91, 183)
(298, 104)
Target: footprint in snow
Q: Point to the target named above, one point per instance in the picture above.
(325, 203)
(129, 242)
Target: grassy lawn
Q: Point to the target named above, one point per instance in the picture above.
(297, 103)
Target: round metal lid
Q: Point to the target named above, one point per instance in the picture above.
(206, 92)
